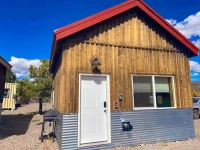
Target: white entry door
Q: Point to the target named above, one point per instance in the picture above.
(93, 120)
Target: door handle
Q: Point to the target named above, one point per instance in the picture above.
(104, 104)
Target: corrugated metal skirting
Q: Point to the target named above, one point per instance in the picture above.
(58, 128)
(153, 126)
(148, 126)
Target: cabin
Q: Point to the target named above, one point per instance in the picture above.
(4, 65)
(121, 77)
(10, 99)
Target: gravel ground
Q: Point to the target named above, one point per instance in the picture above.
(18, 131)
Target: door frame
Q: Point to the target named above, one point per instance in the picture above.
(107, 109)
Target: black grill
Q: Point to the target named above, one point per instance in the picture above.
(50, 115)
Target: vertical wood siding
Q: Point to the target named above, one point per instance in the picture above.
(56, 83)
(130, 43)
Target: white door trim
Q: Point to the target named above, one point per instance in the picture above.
(107, 109)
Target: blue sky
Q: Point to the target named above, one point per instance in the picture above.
(27, 25)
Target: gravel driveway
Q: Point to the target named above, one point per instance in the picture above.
(18, 131)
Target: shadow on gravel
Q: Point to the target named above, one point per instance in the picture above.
(14, 124)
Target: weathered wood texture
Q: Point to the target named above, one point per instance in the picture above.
(130, 43)
(2, 77)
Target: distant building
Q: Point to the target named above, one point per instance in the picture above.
(4, 65)
(9, 100)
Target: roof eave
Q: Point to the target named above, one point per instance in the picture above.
(52, 51)
(192, 46)
(75, 27)
(111, 12)
(5, 63)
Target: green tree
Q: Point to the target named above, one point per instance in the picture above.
(42, 82)
(195, 93)
(10, 76)
(25, 90)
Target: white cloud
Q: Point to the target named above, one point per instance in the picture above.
(171, 21)
(197, 42)
(31, 79)
(21, 65)
(194, 74)
(194, 66)
(190, 26)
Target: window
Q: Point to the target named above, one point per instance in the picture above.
(6, 93)
(150, 91)
(143, 91)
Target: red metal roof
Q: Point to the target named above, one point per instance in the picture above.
(111, 12)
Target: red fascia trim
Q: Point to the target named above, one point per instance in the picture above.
(89, 21)
(106, 14)
(92, 22)
(85, 23)
(160, 20)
